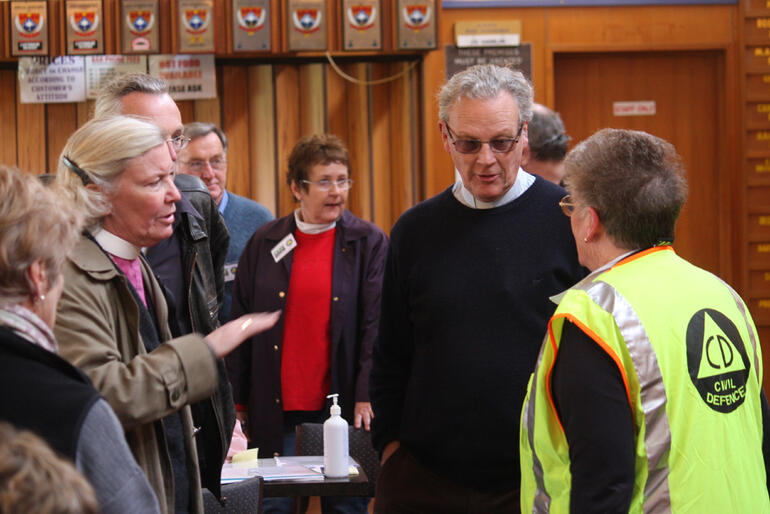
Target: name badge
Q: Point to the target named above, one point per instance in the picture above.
(284, 247)
(230, 270)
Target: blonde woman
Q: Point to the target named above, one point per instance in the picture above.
(113, 316)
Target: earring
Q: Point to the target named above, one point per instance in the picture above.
(42, 297)
(585, 239)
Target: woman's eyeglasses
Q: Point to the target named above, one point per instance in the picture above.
(502, 145)
(567, 206)
(326, 184)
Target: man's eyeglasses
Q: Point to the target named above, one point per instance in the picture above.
(567, 206)
(199, 165)
(502, 145)
(179, 142)
(326, 184)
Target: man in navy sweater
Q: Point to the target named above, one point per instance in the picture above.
(206, 157)
(465, 306)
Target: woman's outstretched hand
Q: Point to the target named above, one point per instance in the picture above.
(227, 337)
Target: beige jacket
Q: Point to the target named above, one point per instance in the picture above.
(97, 328)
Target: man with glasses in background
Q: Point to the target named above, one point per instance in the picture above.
(206, 157)
(464, 309)
(190, 263)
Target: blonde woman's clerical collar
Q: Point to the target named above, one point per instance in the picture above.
(465, 197)
(116, 245)
(312, 228)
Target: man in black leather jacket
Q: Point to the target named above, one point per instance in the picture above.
(190, 264)
(203, 244)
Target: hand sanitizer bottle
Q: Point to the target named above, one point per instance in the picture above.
(335, 443)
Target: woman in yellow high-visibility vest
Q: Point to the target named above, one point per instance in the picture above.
(647, 394)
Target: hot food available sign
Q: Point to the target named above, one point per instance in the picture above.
(189, 77)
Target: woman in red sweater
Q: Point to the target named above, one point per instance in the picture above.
(323, 267)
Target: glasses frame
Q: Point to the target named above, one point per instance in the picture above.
(342, 185)
(510, 141)
(221, 164)
(179, 142)
(567, 205)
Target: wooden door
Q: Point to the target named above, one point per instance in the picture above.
(685, 87)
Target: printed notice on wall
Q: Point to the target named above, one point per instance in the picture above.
(100, 69)
(189, 77)
(518, 57)
(52, 80)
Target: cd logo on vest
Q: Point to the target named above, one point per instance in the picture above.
(717, 360)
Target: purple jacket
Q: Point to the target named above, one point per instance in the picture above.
(261, 284)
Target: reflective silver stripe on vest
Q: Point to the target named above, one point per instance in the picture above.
(749, 326)
(542, 501)
(657, 439)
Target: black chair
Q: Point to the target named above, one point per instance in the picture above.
(244, 497)
(310, 441)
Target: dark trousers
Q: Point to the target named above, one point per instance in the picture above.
(405, 486)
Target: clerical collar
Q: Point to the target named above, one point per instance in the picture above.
(312, 228)
(116, 245)
(523, 181)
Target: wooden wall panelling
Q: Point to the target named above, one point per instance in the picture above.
(358, 118)
(226, 26)
(335, 19)
(30, 135)
(355, 116)
(382, 153)
(287, 122)
(312, 99)
(84, 111)
(731, 174)
(165, 9)
(110, 13)
(223, 41)
(207, 111)
(277, 24)
(266, 177)
(438, 169)
(644, 27)
(5, 36)
(235, 123)
(57, 42)
(336, 104)
(172, 17)
(349, 119)
(8, 153)
(187, 110)
(62, 121)
(403, 141)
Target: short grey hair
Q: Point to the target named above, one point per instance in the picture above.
(198, 129)
(635, 181)
(110, 96)
(486, 81)
(97, 153)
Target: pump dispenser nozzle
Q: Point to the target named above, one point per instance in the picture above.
(335, 409)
